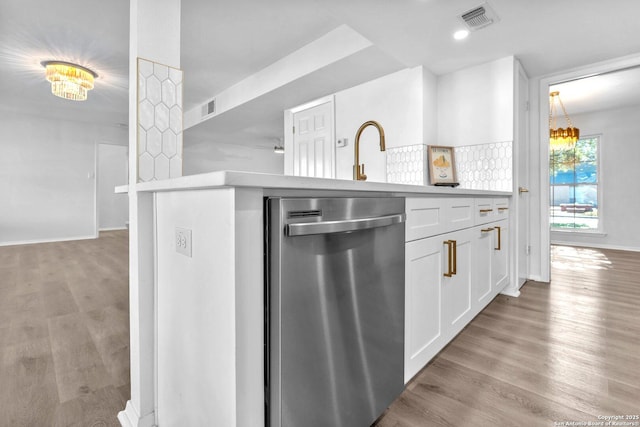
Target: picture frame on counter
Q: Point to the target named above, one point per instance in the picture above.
(442, 166)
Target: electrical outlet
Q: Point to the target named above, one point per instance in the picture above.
(183, 241)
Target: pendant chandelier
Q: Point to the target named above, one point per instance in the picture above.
(559, 138)
(69, 81)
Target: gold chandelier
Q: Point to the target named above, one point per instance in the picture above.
(559, 138)
(69, 81)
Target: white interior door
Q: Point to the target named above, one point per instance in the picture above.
(313, 141)
(112, 171)
(522, 181)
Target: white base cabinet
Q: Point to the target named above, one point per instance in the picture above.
(451, 276)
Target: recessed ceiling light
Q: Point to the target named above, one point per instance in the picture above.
(461, 34)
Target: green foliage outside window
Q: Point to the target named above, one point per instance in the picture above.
(573, 179)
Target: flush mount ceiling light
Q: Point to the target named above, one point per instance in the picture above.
(278, 149)
(559, 138)
(69, 81)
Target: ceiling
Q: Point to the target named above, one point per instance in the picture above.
(225, 41)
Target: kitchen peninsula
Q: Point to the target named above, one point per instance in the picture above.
(206, 241)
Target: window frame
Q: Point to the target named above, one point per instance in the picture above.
(599, 189)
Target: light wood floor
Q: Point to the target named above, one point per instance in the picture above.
(565, 351)
(64, 332)
(561, 352)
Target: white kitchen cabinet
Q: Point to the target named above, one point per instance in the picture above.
(456, 263)
(491, 274)
(500, 261)
(438, 301)
(431, 216)
(424, 261)
(457, 281)
(482, 292)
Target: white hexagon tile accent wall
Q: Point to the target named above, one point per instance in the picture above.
(159, 121)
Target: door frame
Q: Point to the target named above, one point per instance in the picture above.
(522, 178)
(543, 100)
(288, 131)
(96, 175)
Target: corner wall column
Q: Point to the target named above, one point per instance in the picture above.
(154, 35)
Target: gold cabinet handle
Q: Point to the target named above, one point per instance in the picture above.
(486, 210)
(499, 238)
(486, 230)
(522, 190)
(449, 272)
(455, 257)
(503, 209)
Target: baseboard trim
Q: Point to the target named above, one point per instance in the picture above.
(130, 417)
(510, 292)
(33, 242)
(124, 227)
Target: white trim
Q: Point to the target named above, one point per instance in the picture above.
(543, 93)
(311, 104)
(155, 305)
(510, 292)
(96, 174)
(112, 228)
(289, 137)
(570, 232)
(130, 417)
(520, 150)
(54, 240)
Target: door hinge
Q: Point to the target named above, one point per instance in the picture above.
(294, 129)
(526, 106)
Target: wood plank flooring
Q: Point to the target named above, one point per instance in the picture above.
(64, 332)
(565, 351)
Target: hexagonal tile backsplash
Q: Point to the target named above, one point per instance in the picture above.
(485, 166)
(159, 121)
(478, 167)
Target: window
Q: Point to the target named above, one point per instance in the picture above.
(574, 191)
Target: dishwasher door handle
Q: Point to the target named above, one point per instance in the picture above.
(326, 227)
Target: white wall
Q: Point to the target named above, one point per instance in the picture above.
(619, 175)
(112, 171)
(397, 102)
(475, 105)
(212, 156)
(47, 172)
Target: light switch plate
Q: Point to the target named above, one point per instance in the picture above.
(183, 241)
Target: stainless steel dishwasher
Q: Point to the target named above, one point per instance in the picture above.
(334, 310)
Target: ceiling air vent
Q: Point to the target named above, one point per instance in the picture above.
(209, 108)
(479, 17)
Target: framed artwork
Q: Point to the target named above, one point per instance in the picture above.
(442, 166)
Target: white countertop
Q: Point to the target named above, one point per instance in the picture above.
(222, 179)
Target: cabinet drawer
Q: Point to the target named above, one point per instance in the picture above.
(425, 217)
(500, 208)
(432, 216)
(459, 213)
(484, 211)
